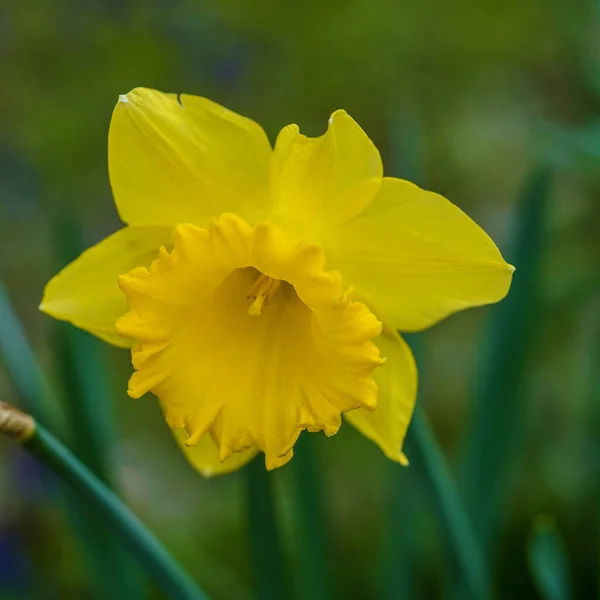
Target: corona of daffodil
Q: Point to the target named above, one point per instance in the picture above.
(260, 289)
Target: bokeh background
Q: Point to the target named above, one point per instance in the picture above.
(495, 105)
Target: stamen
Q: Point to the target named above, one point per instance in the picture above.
(260, 293)
(256, 307)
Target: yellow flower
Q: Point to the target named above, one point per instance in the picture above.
(251, 283)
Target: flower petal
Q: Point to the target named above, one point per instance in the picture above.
(397, 383)
(184, 159)
(86, 292)
(418, 258)
(324, 181)
(204, 457)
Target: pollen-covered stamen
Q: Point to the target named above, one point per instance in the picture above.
(262, 289)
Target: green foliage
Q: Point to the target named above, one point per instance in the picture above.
(177, 584)
(497, 428)
(481, 92)
(547, 560)
(266, 552)
(81, 364)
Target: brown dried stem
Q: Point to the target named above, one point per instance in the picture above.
(15, 423)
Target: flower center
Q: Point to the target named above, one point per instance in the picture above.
(219, 371)
(260, 293)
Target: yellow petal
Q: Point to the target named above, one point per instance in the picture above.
(204, 457)
(176, 159)
(86, 292)
(321, 182)
(396, 380)
(417, 257)
(244, 335)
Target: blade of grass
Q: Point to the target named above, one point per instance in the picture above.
(103, 557)
(402, 510)
(499, 386)
(80, 364)
(547, 560)
(84, 377)
(83, 373)
(310, 522)
(21, 364)
(35, 394)
(401, 543)
(431, 468)
(463, 547)
(265, 546)
(594, 410)
(149, 551)
(113, 572)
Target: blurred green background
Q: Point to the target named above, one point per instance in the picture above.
(495, 105)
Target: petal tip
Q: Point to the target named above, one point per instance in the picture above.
(47, 296)
(340, 112)
(123, 99)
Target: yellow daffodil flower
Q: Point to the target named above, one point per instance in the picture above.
(251, 283)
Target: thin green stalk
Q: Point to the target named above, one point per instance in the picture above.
(149, 551)
(402, 511)
(265, 546)
(499, 402)
(84, 376)
(20, 362)
(594, 408)
(110, 569)
(310, 535)
(401, 539)
(548, 560)
(33, 390)
(430, 465)
(105, 561)
(83, 373)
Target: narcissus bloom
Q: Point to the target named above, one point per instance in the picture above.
(260, 289)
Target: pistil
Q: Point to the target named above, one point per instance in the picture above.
(260, 293)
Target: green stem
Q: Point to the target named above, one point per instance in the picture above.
(265, 547)
(310, 522)
(399, 557)
(107, 563)
(176, 583)
(497, 431)
(111, 569)
(83, 371)
(431, 467)
(21, 364)
(398, 580)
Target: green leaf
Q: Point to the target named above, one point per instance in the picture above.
(87, 398)
(499, 394)
(461, 542)
(28, 378)
(176, 583)
(547, 560)
(310, 522)
(398, 564)
(266, 552)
